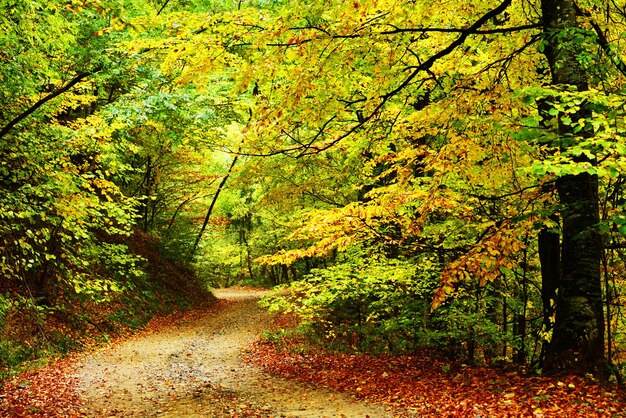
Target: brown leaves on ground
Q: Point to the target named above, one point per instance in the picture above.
(47, 392)
(422, 385)
(417, 385)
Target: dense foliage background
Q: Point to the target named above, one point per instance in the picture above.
(417, 175)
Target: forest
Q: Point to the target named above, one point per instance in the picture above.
(408, 176)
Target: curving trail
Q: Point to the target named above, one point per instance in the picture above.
(195, 370)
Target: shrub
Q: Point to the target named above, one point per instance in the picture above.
(382, 305)
(373, 305)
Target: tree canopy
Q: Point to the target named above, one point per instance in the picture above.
(420, 174)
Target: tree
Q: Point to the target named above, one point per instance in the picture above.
(360, 88)
(57, 200)
(457, 138)
(578, 337)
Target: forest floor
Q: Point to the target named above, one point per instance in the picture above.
(192, 368)
(206, 363)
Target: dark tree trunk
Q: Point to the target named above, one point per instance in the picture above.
(285, 273)
(578, 337)
(550, 259)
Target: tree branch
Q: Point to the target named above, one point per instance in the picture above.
(46, 99)
(213, 201)
(425, 66)
(514, 193)
(603, 41)
(163, 7)
(396, 30)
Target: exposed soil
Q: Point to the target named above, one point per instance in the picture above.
(195, 370)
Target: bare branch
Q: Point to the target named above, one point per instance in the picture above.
(46, 99)
(603, 42)
(397, 30)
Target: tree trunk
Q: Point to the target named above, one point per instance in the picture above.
(550, 259)
(210, 211)
(148, 194)
(519, 355)
(578, 337)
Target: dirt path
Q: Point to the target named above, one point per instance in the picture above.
(195, 370)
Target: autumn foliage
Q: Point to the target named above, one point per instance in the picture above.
(48, 392)
(424, 384)
(419, 175)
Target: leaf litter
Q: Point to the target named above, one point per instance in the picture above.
(190, 365)
(424, 384)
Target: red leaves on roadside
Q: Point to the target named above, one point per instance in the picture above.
(422, 385)
(47, 392)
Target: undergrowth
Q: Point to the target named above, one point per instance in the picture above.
(35, 330)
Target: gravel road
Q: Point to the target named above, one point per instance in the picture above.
(195, 370)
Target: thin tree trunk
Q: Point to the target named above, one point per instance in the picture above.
(244, 240)
(504, 325)
(179, 208)
(217, 194)
(520, 355)
(148, 193)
